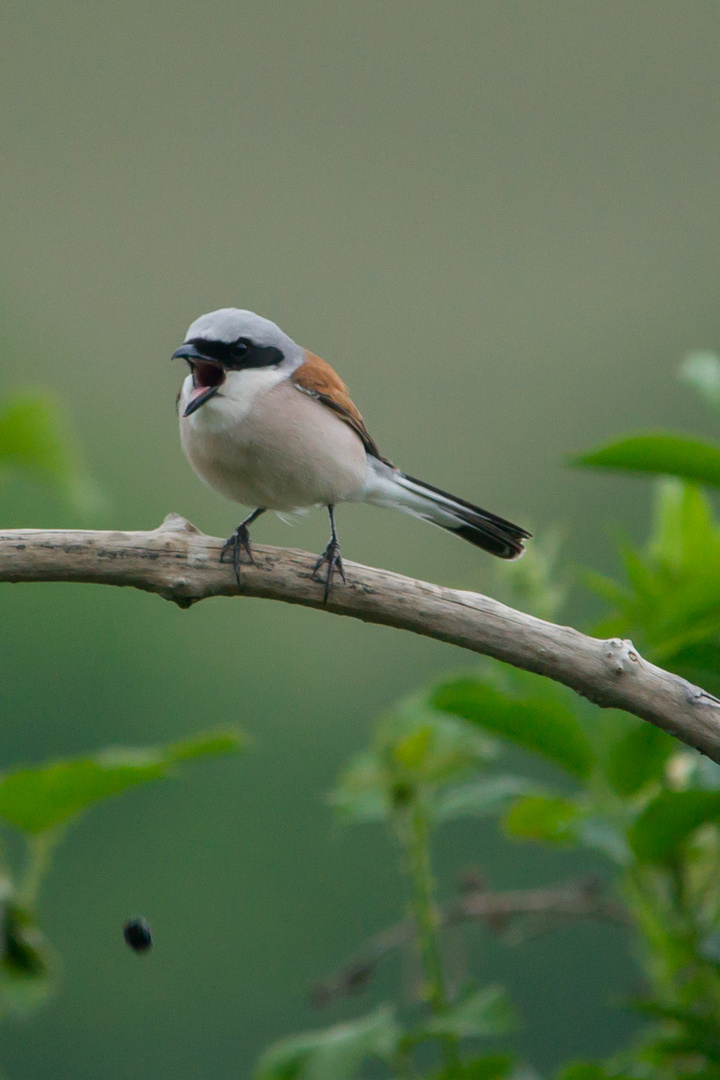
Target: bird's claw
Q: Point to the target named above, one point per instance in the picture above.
(239, 541)
(331, 557)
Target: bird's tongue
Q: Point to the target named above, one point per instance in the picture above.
(197, 392)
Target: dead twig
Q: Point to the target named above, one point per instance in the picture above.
(498, 910)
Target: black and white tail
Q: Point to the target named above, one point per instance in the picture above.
(387, 486)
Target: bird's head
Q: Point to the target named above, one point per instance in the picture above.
(220, 345)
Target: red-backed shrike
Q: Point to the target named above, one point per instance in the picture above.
(270, 425)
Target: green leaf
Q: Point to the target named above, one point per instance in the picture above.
(335, 1053)
(701, 371)
(582, 1070)
(485, 1013)
(418, 746)
(684, 532)
(415, 748)
(205, 744)
(42, 796)
(671, 608)
(668, 455)
(699, 664)
(596, 831)
(35, 438)
(487, 1067)
(31, 436)
(543, 817)
(480, 798)
(525, 709)
(412, 751)
(361, 793)
(590, 1070)
(670, 819)
(637, 758)
(551, 819)
(697, 1034)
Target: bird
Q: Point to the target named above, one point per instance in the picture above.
(270, 425)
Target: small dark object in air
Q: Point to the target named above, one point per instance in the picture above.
(138, 935)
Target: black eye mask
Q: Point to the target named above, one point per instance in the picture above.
(237, 355)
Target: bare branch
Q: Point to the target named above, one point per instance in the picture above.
(180, 563)
(577, 899)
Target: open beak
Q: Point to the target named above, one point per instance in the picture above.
(208, 376)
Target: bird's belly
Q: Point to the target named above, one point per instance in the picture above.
(285, 455)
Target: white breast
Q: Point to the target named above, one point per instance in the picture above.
(262, 442)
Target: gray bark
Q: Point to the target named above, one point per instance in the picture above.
(180, 563)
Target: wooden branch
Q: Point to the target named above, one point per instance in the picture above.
(576, 899)
(180, 563)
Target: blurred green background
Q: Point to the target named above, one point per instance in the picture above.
(500, 223)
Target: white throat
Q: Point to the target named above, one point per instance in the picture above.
(235, 399)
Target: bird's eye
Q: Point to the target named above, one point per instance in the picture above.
(241, 347)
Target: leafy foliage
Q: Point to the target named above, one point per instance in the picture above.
(637, 757)
(35, 799)
(480, 798)
(39, 801)
(333, 1054)
(664, 455)
(543, 817)
(515, 705)
(481, 1014)
(670, 601)
(670, 604)
(669, 819)
(624, 789)
(416, 750)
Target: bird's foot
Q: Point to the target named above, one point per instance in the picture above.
(331, 558)
(239, 541)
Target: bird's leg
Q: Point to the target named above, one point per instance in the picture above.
(239, 541)
(331, 556)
